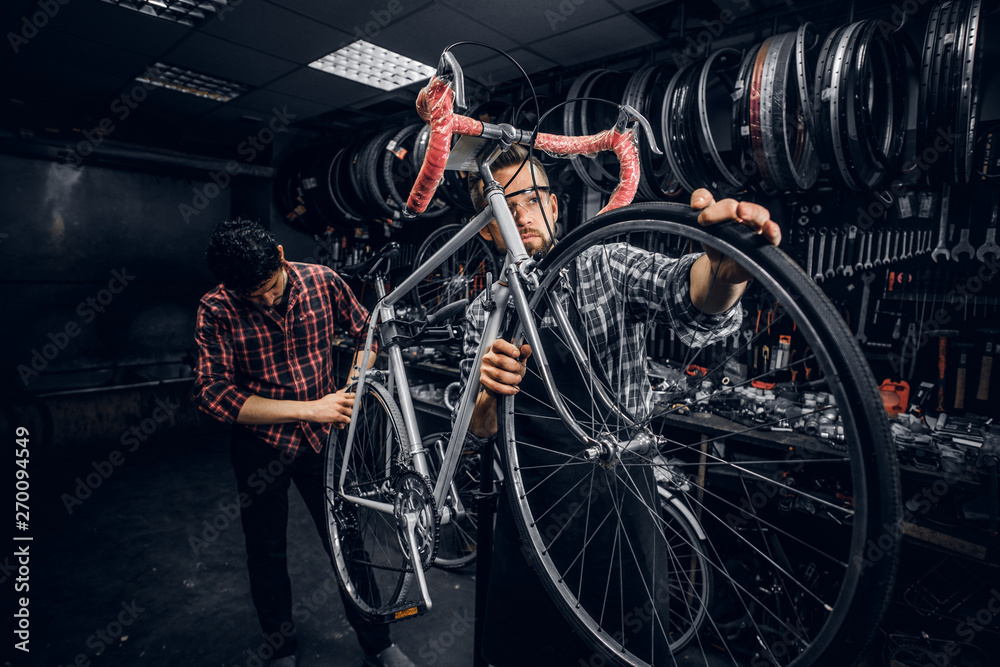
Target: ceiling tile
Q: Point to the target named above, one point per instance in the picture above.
(56, 49)
(425, 34)
(277, 31)
(631, 5)
(172, 101)
(528, 22)
(17, 9)
(268, 102)
(597, 40)
(497, 70)
(311, 84)
(217, 57)
(119, 27)
(361, 19)
(239, 121)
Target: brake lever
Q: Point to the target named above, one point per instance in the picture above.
(628, 114)
(448, 66)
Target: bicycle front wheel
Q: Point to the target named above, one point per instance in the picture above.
(765, 422)
(368, 555)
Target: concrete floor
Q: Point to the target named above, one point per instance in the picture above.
(145, 567)
(149, 570)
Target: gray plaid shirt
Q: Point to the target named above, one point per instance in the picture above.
(619, 291)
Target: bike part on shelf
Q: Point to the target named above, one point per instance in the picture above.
(371, 561)
(461, 276)
(789, 485)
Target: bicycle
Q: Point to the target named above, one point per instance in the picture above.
(708, 521)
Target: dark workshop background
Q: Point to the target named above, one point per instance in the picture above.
(109, 189)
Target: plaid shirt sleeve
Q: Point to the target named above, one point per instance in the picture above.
(215, 386)
(662, 285)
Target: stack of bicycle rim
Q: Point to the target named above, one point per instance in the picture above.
(589, 116)
(689, 144)
(383, 175)
(644, 93)
(950, 70)
(773, 128)
(860, 104)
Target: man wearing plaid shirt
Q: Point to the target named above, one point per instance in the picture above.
(696, 295)
(266, 364)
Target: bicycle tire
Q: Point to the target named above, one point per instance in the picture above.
(370, 561)
(458, 538)
(786, 591)
(453, 279)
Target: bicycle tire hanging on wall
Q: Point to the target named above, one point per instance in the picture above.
(860, 104)
(689, 142)
(950, 74)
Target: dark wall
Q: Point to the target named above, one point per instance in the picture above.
(103, 270)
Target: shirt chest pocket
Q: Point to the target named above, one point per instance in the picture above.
(308, 328)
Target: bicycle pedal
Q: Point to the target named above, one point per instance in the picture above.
(399, 612)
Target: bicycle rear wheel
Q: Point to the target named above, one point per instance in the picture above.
(784, 459)
(370, 560)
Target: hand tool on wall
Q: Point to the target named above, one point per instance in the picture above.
(989, 248)
(888, 246)
(986, 367)
(943, 336)
(852, 238)
(782, 353)
(830, 272)
(867, 279)
(963, 247)
(818, 276)
(811, 233)
(963, 362)
(941, 251)
(909, 350)
(878, 248)
(862, 244)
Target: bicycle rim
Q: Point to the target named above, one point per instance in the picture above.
(790, 497)
(369, 558)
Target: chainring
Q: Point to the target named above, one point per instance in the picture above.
(412, 493)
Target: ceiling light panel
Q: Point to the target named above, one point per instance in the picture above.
(186, 12)
(373, 66)
(192, 83)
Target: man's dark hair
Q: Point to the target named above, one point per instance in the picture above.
(242, 255)
(513, 157)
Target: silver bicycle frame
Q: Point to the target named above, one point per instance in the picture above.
(511, 284)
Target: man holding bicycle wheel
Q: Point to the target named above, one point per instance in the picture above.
(266, 365)
(707, 285)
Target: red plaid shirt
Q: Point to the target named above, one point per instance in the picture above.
(246, 350)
